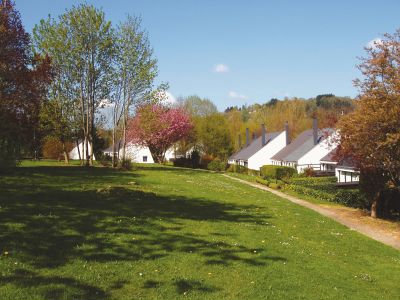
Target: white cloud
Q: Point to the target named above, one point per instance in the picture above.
(221, 68)
(235, 95)
(373, 43)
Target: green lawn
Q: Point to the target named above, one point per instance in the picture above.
(166, 233)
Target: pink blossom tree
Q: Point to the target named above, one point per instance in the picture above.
(158, 127)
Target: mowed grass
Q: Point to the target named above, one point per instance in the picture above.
(167, 233)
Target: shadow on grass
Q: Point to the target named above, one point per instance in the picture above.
(56, 222)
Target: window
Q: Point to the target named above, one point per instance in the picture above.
(144, 158)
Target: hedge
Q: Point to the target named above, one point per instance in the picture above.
(237, 169)
(277, 172)
(324, 188)
(216, 165)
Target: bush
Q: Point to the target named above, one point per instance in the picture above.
(237, 169)
(277, 172)
(216, 165)
(53, 149)
(205, 160)
(186, 162)
(262, 181)
(309, 172)
(352, 198)
(324, 188)
(275, 186)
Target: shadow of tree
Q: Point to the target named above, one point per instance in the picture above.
(55, 286)
(52, 225)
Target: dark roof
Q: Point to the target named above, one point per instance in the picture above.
(254, 147)
(330, 157)
(110, 149)
(301, 145)
(348, 163)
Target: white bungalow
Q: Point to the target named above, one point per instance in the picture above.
(259, 151)
(347, 174)
(137, 153)
(307, 150)
(79, 152)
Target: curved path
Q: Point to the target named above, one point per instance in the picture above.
(353, 221)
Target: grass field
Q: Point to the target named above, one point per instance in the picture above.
(167, 233)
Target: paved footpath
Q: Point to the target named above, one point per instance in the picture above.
(364, 228)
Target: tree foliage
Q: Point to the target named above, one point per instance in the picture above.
(371, 134)
(23, 82)
(81, 46)
(158, 127)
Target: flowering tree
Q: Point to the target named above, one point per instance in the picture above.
(158, 127)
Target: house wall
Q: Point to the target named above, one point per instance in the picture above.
(137, 153)
(263, 156)
(313, 157)
(346, 175)
(73, 154)
(170, 154)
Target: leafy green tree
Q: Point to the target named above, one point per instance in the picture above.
(81, 46)
(214, 137)
(198, 107)
(135, 69)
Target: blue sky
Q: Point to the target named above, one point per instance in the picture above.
(238, 52)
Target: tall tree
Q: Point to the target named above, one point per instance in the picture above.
(134, 72)
(371, 134)
(214, 137)
(23, 82)
(81, 46)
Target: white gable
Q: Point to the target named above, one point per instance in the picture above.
(263, 156)
(73, 154)
(313, 157)
(137, 153)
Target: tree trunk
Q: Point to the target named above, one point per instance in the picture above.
(375, 206)
(113, 148)
(374, 209)
(79, 151)
(124, 139)
(66, 159)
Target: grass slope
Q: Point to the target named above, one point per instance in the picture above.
(167, 233)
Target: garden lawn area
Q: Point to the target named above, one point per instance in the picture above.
(169, 233)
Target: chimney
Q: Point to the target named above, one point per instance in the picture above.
(263, 139)
(315, 131)
(240, 141)
(287, 133)
(247, 137)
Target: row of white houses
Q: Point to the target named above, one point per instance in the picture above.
(314, 148)
(136, 153)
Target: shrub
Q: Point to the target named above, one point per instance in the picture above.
(53, 149)
(324, 188)
(262, 181)
(275, 186)
(351, 197)
(237, 169)
(277, 172)
(192, 162)
(309, 172)
(205, 160)
(216, 165)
